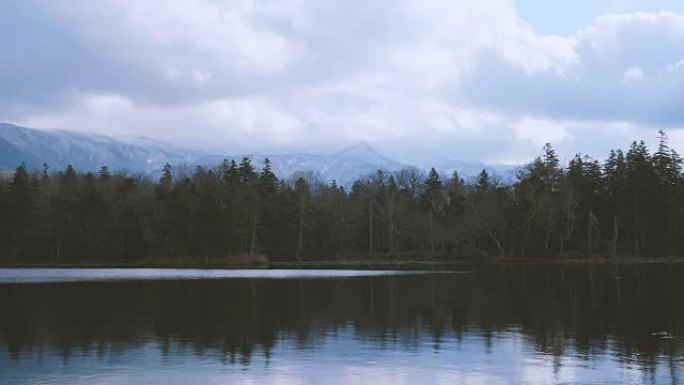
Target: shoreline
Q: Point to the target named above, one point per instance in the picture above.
(341, 264)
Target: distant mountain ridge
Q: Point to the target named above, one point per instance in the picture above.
(344, 166)
(84, 151)
(136, 154)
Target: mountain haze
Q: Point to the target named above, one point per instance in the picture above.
(344, 166)
(147, 156)
(85, 152)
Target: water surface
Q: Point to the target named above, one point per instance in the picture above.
(43, 275)
(498, 325)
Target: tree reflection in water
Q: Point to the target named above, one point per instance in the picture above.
(634, 313)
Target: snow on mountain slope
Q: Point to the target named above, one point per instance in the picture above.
(470, 170)
(344, 166)
(85, 152)
(147, 156)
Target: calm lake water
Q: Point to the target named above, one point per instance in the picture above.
(495, 325)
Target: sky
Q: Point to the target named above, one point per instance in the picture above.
(419, 80)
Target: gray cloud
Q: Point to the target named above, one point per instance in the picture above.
(424, 79)
(626, 70)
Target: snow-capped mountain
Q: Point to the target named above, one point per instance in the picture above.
(147, 156)
(85, 152)
(469, 170)
(344, 166)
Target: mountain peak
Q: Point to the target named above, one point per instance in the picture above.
(88, 152)
(360, 150)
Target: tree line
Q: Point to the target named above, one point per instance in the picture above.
(631, 204)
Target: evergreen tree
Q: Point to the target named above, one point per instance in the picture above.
(249, 198)
(483, 182)
(268, 190)
(104, 172)
(640, 183)
(21, 207)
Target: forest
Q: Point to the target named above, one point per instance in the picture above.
(629, 206)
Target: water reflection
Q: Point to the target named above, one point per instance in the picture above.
(507, 324)
(51, 275)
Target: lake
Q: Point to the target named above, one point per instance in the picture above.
(506, 324)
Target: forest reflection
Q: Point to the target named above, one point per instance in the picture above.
(634, 313)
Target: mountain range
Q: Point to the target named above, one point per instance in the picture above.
(87, 152)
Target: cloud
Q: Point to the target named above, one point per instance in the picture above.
(625, 70)
(416, 79)
(632, 75)
(541, 131)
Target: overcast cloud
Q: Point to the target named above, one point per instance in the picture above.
(415, 79)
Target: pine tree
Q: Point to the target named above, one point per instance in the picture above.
(640, 178)
(615, 184)
(21, 206)
(250, 200)
(483, 181)
(268, 182)
(666, 162)
(104, 172)
(583, 198)
(168, 224)
(436, 200)
(668, 169)
(302, 190)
